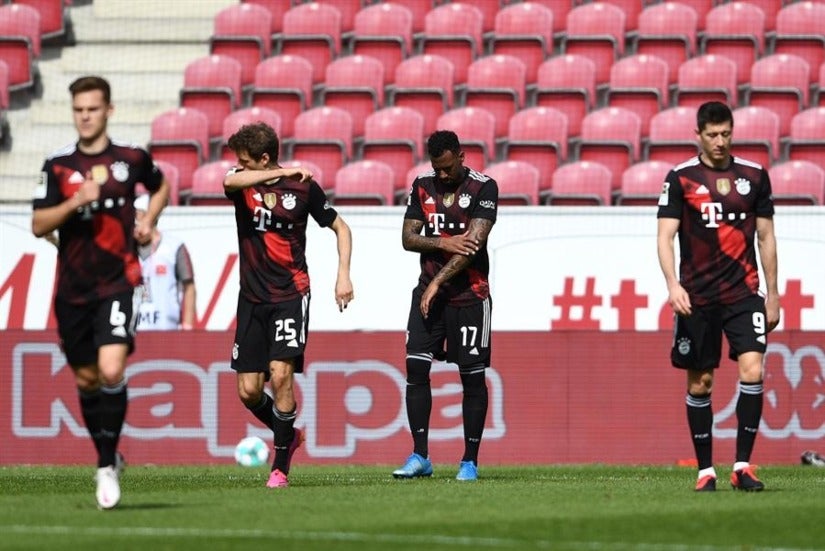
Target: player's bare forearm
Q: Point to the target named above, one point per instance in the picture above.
(188, 306)
(247, 178)
(412, 240)
(477, 233)
(45, 221)
(344, 292)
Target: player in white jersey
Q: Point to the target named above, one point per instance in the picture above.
(168, 299)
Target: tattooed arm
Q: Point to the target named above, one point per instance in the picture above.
(412, 240)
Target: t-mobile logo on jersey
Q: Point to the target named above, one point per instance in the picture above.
(437, 223)
(262, 217)
(712, 214)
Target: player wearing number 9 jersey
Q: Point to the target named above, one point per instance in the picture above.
(720, 207)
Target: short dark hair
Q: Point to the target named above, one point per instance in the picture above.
(713, 112)
(441, 141)
(89, 83)
(256, 139)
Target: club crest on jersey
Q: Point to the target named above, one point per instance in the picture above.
(684, 346)
(270, 200)
(288, 201)
(100, 174)
(448, 199)
(723, 186)
(464, 200)
(743, 186)
(120, 171)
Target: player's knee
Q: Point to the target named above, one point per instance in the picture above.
(418, 370)
(249, 392)
(473, 380)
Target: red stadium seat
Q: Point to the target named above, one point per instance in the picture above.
(349, 9)
(642, 183)
(524, 31)
(819, 94)
(701, 7)
(277, 9)
(180, 137)
(394, 135)
(356, 84)
(612, 137)
(364, 183)
(312, 31)
(632, 9)
(212, 84)
(799, 32)
(756, 134)
(735, 30)
(596, 31)
(385, 32)
(498, 84)
(454, 31)
(807, 139)
(706, 78)
(538, 135)
(53, 16)
(668, 30)
(170, 172)
(419, 10)
(568, 83)
(518, 182)
(780, 82)
(242, 31)
(476, 129)
(560, 9)
(425, 83)
(283, 83)
(20, 44)
(797, 183)
(207, 184)
(323, 134)
(639, 83)
(248, 115)
(581, 183)
(672, 136)
(770, 8)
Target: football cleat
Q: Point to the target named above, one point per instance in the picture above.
(813, 458)
(745, 479)
(706, 484)
(467, 470)
(415, 466)
(277, 479)
(108, 483)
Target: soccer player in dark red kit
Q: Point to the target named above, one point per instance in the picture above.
(272, 206)
(456, 208)
(86, 193)
(717, 204)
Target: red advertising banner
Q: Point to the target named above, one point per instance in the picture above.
(555, 397)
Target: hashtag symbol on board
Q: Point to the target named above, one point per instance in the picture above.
(577, 309)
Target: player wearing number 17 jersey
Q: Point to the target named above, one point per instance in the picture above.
(271, 212)
(455, 208)
(720, 207)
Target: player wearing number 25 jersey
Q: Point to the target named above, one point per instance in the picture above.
(720, 207)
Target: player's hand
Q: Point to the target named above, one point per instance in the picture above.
(89, 191)
(772, 312)
(427, 298)
(679, 300)
(143, 229)
(343, 292)
(461, 244)
(300, 173)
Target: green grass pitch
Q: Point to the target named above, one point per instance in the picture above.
(360, 508)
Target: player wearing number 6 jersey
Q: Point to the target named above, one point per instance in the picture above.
(717, 203)
(451, 306)
(87, 193)
(272, 205)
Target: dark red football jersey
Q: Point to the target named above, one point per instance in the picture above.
(717, 209)
(272, 224)
(448, 211)
(97, 256)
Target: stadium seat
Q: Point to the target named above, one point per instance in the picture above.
(53, 16)
(560, 9)
(242, 31)
(476, 129)
(181, 137)
(770, 8)
(385, 32)
(395, 136)
(425, 83)
(170, 172)
(354, 83)
(364, 183)
(780, 82)
(212, 84)
(706, 78)
(737, 31)
(207, 184)
(283, 83)
(701, 7)
(277, 9)
(596, 31)
(799, 32)
(317, 173)
(538, 135)
(498, 84)
(581, 183)
(524, 31)
(807, 139)
(419, 10)
(631, 9)
(756, 134)
(612, 137)
(323, 134)
(248, 115)
(668, 30)
(20, 44)
(642, 183)
(454, 31)
(518, 182)
(639, 83)
(672, 136)
(567, 83)
(797, 183)
(312, 31)
(819, 91)
(349, 9)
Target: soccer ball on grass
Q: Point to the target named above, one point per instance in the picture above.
(251, 452)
